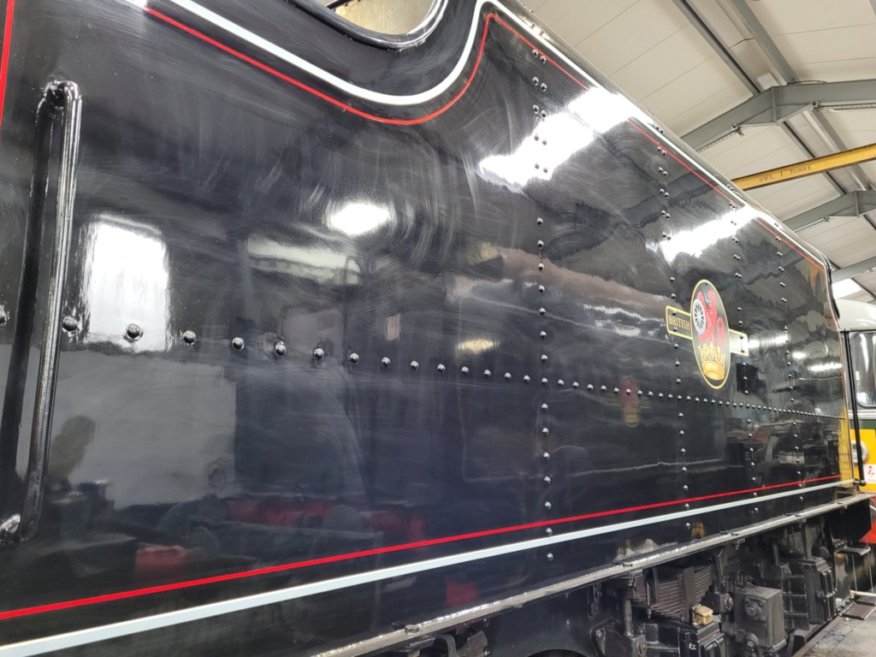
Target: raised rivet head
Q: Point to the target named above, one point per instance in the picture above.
(487, 374)
(319, 353)
(237, 343)
(280, 348)
(576, 385)
(133, 332)
(507, 376)
(415, 365)
(385, 361)
(69, 323)
(542, 334)
(540, 244)
(441, 368)
(542, 311)
(4, 317)
(354, 358)
(189, 336)
(549, 531)
(547, 480)
(548, 506)
(464, 370)
(539, 221)
(561, 382)
(526, 378)
(549, 556)
(544, 407)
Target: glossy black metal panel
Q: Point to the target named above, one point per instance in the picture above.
(326, 314)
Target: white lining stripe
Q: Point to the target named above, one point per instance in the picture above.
(156, 621)
(424, 96)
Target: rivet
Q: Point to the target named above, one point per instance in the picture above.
(133, 332)
(487, 374)
(678, 380)
(650, 393)
(414, 365)
(782, 284)
(683, 450)
(616, 390)
(687, 507)
(280, 348)
(237, 343)
(560, 383)
(540, 244)
(684, 487)
(385, 361)
(544, 406)
(542, 311)
(188, 337)
(507, 376)
(319, 354)
(546, 456)
(541, 288)
(548, 506)
(526, 378)
(535, 80)
(68, 323)
(544, 358)
(543, 59)
(681, 432)
(544, 381)
(543, 114)
(678, 363)
(535, 109)
(575, 385)
(684, 468)
(354, 358)
(687, 525)
(539, 221)
(681, 415)
(549, 556)
(603, 388)
(672, 279)
(547, 480)
(441, 368)
(590, 387)
(543, 87)
(541, 266)
(549, 531)
(628, 391)
(534, 52)
(464, 370)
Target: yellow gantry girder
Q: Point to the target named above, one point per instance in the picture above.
(807, 167)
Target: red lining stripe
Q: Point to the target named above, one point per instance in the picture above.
(323, 96)
(441, 110)
(350, 556)
(4, 56)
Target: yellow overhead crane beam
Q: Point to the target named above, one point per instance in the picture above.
(807, 167)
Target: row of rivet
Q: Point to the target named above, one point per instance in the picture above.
(541, 114)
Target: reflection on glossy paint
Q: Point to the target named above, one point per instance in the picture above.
(558, 137)
(829, 366)
(767, 341)
(695, 241)
(476, 346)
(316, 263)
(359, 217)
(127, 281)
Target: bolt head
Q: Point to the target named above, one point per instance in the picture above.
(189, 336)
(237, 343)
(133, 332)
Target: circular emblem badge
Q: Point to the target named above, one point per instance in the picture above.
(711, 338)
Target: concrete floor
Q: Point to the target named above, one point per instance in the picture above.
(851, 635)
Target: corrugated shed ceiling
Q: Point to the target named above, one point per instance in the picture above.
(653, 51)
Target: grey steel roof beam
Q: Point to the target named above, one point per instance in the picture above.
(777, 104)
(854, 270)
(851, 204)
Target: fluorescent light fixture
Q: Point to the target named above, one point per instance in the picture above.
(359, 217)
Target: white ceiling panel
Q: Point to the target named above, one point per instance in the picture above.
(652, 52)
(845, 240)
(574, 21)
(796, 16)
(630, 34)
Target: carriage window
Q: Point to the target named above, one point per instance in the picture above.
(386, 16)
(863, 354)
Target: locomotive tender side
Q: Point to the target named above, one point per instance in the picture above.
(354, 342)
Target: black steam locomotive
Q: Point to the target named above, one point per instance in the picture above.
(320, 341)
